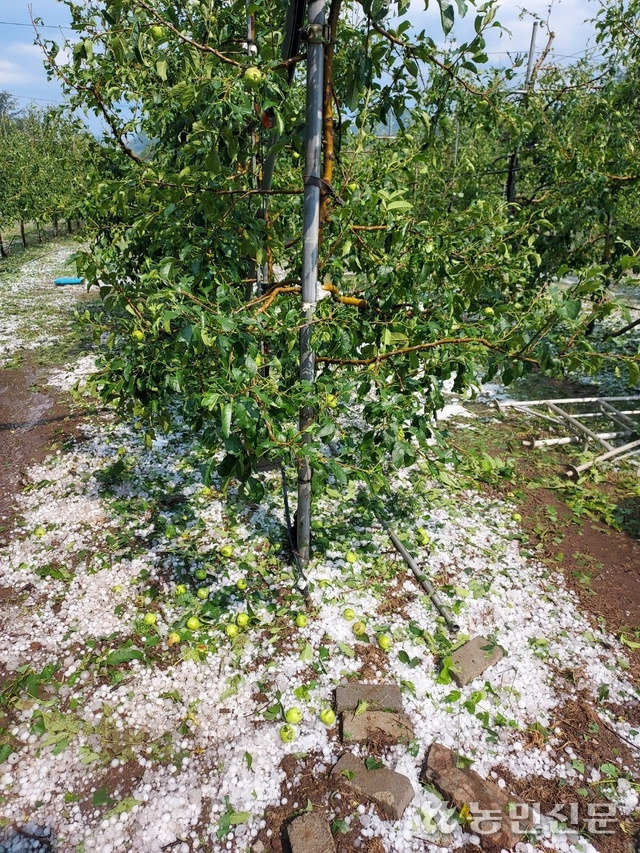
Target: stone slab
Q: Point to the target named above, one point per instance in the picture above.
(463, 786)
(382, 726)
(472, 659)
(379, 697)
(390, 790)
(311, 833)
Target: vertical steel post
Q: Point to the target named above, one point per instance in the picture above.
(312, 174)
(513, 162)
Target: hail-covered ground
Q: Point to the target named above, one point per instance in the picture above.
(33, 307)
(152, 644)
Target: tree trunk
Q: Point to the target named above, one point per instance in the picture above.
(3, 253)
(69, 228)
(38, 232)
(56, 232)
(22, 234)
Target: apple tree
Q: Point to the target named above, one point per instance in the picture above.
(198, 254)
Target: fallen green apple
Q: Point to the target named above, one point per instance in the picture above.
(231, 630)
(193, 623)
(327, 716)
(301, 620)
(150, 619)
(287, 733)
(173, 638)
(293, 715)
(226, 550)
(201, 574)
(202, 593)
(241, 584)
(242, 620)
(349, 613)
(359, 628)
(181, 589)
(384, 641)
(351, 556)
(516, 517)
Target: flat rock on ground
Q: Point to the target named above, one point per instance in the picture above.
(390, 790)
(379, 697)
(310, 833)
(462, 786)
(377, 726)
(471, 660)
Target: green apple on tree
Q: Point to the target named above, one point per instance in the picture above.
(253, 77)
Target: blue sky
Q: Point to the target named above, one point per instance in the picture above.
(22, 73)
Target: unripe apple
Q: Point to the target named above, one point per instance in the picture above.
(193, 623)
(352, 187)
(203, 593)
(181, 589)
(150, 619)
(241, 584)
(488, 311)
(359, 628)
(252, 77)
(331, 401)
(242, 620)
(226, 550)
(351, 556)
(327, 716)
(173, 638)
(258, 360)
(137, 335)
(287, 733)
(201, 575)
(293, 715)
(231, 630)
(158, 33)
(516, 517)
(301, 620)
(349, 613)
(384, 641)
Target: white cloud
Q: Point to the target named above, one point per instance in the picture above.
(12, 74)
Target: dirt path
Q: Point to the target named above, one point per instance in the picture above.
(33, 418)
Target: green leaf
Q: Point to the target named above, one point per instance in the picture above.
(346, 650)
(123, 655)
(307, 653)
(447, 16)
(161, 69)
(227, 411)
(237, 818)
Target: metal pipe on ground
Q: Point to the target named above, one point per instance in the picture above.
(503, 404)
(422, 579)
(577, 425)
(572, 472)
(567, 439)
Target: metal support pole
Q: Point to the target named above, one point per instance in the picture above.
(312, 174)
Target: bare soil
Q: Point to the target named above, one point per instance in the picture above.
(33, 418)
